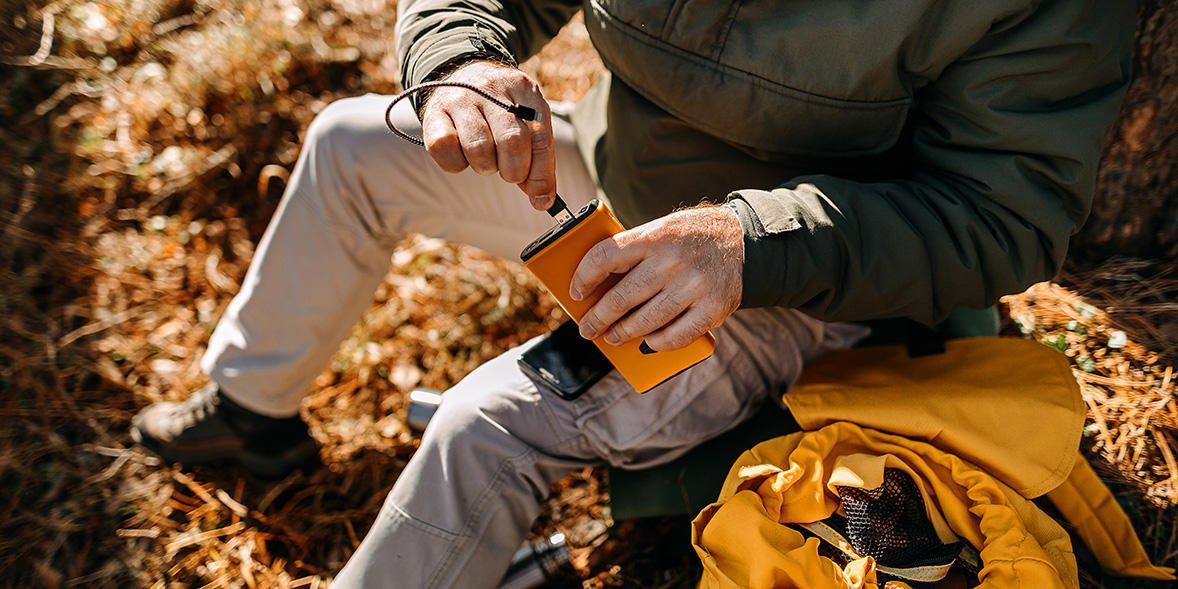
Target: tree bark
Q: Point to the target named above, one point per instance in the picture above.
(1136, 209)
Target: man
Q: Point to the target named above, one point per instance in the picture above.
(879, 159)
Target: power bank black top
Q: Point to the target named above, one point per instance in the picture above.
(556, 232)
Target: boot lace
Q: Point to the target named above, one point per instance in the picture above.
(195, 408)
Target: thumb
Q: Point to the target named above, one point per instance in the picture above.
(540, 185)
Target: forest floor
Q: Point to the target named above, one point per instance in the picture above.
(143, 146)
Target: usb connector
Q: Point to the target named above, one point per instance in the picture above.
(560, 211)
(526, 113)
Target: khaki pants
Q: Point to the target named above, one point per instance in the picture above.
(465, 502)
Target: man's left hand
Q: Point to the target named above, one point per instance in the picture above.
(683, 276)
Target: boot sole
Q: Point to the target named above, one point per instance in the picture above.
(305, 454)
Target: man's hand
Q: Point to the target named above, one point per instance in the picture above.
(461, 128)
(683, 276)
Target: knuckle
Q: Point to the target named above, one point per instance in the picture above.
(593, 321)
(713, 314)
(616, 301)
(640, 236)
(543, 185)
(670, 303)
(479, 149)
(642, 324)
(539, 187)
(598, 255)
(695, 328)
(440, 143)
(541, 140)
(513, 140)
(622, 331)
(681, 338)
(449, 161)
(645, 275)
(681, 266)
(694, 288)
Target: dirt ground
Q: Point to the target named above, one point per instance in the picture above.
(143, 146)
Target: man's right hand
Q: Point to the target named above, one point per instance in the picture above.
(461, 128)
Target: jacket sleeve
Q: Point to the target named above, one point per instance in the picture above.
(433, 33)
(1006, 143)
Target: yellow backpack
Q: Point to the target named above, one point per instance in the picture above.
(920, 470)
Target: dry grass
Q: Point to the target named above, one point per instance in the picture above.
(140, 142)
(1128, 388)
(1131, 437)
(140, 166)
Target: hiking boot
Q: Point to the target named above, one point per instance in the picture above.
(210, 428)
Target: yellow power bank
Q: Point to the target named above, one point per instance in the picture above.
(553, 258)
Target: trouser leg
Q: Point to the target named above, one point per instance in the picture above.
(355, 191)
(465, 501)
(468, 497)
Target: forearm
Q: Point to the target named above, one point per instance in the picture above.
(432, 33)
(839, 250)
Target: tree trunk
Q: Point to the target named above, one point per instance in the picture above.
(1136, 209)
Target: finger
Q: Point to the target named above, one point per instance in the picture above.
(476, 139)
(600, 261)
(540, 184)
(441, 142)
(660, 311)
(637, 287)
(513, 139)
(682, 331)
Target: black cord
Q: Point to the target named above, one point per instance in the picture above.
(526, 113)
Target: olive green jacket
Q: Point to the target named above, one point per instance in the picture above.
(887, 159)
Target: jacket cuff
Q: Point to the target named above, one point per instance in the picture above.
(457, 46)
(767, 229)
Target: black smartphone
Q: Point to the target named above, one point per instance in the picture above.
(564, 362)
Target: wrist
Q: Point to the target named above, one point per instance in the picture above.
(451, 68)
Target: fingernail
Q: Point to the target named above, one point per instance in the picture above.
(576, 294)
(612, 338)
(588, 332)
